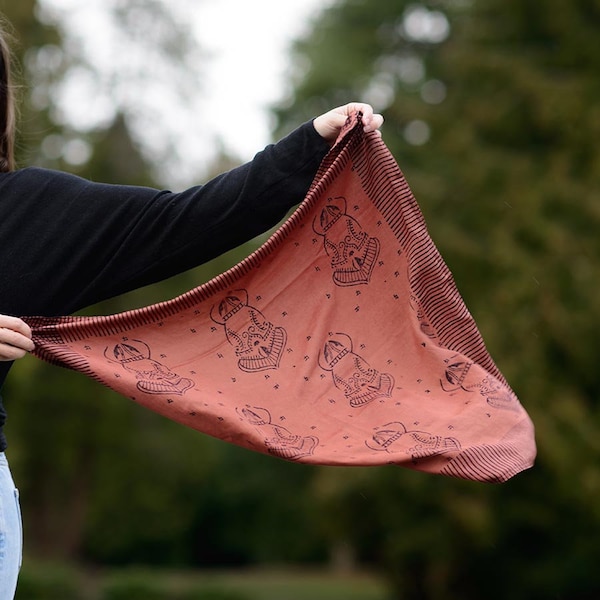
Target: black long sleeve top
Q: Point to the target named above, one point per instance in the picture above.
(67, 243)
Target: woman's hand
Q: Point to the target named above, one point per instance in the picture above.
(328, 125)
(15, 338)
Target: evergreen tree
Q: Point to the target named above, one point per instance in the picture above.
(80, 453)
(492, 112)
(101, 478)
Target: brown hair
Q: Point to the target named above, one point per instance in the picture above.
(7, 106)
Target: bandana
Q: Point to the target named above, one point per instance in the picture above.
(342, 340)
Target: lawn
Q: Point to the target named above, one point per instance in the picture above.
(42, 581)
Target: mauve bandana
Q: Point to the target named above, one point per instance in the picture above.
(341, 341)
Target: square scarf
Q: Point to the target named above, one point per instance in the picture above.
(342, 340)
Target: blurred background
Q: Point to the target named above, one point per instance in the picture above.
(492, 111)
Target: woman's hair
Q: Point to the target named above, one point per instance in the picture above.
(7, 106)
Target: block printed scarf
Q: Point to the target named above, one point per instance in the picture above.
(341, 341)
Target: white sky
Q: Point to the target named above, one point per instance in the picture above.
(244, 72)
(249, 41)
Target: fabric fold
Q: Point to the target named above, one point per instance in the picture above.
(342, 340)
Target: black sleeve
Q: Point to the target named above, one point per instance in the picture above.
(84, 242)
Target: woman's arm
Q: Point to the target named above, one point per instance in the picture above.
(69, 242)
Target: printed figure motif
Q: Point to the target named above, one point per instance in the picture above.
(279, 441)
(394, 437)
(496, 394)
(360, 383)
(353, 253)
(455, 375)
(153, 377)
(424, 323)
(257, 342)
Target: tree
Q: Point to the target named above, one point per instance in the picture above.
(76, 449)
(492, 112)
(142, 62)
(102, 479)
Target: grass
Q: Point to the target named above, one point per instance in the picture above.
(300, 585)
(43, 581)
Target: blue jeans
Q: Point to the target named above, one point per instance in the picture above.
(11, 534)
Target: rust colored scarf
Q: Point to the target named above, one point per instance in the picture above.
(341, 341)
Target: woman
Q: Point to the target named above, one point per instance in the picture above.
(68, 243)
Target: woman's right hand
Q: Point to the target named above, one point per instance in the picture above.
(15, 338)
(328, 125)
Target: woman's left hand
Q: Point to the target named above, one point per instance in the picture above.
(15, 338)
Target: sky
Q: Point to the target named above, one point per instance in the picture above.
(251, 51)
(241, 73)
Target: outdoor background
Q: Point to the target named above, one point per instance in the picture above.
(492, 111)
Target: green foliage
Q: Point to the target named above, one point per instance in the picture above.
(100, 477)
(507, 177)
(495, 126)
